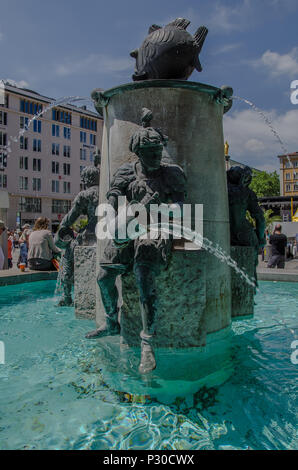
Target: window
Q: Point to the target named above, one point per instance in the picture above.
(66, 187)
(36, 184)
(30, 204)
(55, 149)
(288, 176)
(36, 145)
(23, 143)
(66, 151)
(23, 163)
(288, 188)
(23, 183)
(36, 164)
(295, 187)
(60, 206)
(3, 160)
(296, 164)
(30, 107)
(3, 118)
(55, 186)
(3, 180)
(295, 175)
(287, 164)
(55, 130)
(67, 133)
(92, 139)
(83, 137)
(91, 156)
(66, 169)
(55, 168)
(3, 139)
(82, 154)
(37, 126)
(61, 116)
(24, 121)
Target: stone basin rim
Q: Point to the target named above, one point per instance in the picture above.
(102, 98)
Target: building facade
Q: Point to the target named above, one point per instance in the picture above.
(289, 174)
(41, 160)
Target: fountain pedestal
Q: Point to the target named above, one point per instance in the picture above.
(85, 286)
(191, 115)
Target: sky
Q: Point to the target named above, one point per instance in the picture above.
(69, 47)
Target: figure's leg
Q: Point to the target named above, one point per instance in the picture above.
(145, 278)
(67, 276)
(106, 281)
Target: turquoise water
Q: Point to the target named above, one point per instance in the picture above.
(56, 392)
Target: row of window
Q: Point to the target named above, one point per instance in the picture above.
(33, 204)
(288, 164)
(30, 107)
(36, 185)
(56, 168)
(290, 186)
(3, 118)
(290, 176)
(3, 160)
(61, 116)
(56, 186)
(56, 150)
(83, 155)
(56, 131)
(24, 164)
(83, 138)
(88, 123)
(4, 102)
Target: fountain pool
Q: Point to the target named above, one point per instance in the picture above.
(54, 394)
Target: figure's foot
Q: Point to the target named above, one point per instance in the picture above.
(148, 362)
(65, 302)
(104, 331)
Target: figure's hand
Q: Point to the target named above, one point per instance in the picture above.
(150, 199)
(262, 241)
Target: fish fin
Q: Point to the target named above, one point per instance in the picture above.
(153, 27)
(181, 23)
(200, 36)
(134, 53)
(197, 64)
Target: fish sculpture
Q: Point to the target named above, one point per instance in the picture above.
(169, 52)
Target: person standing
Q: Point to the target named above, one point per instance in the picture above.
(2, 258)
(279, 243)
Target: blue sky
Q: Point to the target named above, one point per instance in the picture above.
(69, 47)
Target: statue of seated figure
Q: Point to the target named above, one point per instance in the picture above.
(146, 181)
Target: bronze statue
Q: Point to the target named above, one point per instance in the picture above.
(146, 181)
(242, 199)
(85, 203)
(169, 52)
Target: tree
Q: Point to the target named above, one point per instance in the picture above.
(265, 184)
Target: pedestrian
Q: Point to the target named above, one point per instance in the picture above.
(279, 243)
(9, 249)
(24, 245)
(2, 259)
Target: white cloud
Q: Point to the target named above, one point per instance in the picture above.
(94, 63)
(251, 140)
(227, 48)
(19, 84)
(279, 64)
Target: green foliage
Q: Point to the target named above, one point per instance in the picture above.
(265, 183)
(269, 220)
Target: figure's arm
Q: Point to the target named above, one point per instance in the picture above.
(257, 213)
(77, 209)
